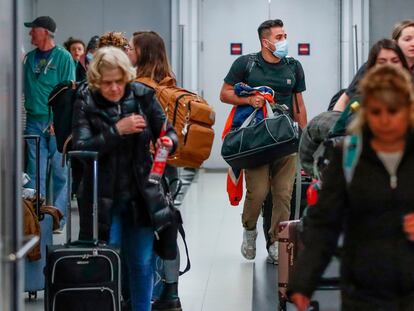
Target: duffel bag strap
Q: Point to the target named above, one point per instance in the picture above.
(269, 110)
(188, 266)
(250, 118)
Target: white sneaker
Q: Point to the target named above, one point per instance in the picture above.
(248, 247)
(273, 253)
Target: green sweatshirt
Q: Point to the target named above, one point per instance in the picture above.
(60, 67)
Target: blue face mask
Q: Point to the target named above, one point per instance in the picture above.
(281, 49)
(89, 57)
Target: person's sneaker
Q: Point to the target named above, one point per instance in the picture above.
(273, 253)
(167, 305)
(248, 247)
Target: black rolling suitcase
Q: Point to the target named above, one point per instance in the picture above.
(83, 275)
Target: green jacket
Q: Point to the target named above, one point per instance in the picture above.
(60, 67)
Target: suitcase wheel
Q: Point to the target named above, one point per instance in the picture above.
(314, 306)
(32, 295)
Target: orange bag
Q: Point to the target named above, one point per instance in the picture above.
(192, 118)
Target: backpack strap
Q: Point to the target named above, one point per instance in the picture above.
(251, 62)
(351, 152)
(172, 197)
(148, 82)
(188, 265)
(168, 81)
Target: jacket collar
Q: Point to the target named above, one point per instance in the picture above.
(101, 101)
(366, 141)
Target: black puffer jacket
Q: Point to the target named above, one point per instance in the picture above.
(94, 129)
(377, 259)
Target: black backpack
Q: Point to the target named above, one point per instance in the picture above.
(61, 101)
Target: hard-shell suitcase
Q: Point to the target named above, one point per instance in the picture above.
(289, 246)
(33, 270)
(83, 275)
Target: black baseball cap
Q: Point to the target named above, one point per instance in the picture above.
(43, 21)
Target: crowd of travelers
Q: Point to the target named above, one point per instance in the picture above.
(115, 115)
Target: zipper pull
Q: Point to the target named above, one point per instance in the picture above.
(119, 110)
(393, 182)
(185, 129)
(187, 120)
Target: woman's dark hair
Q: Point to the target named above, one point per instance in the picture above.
(391, 85)
(152, 61)
(71, 40)
(388, 45)
(93, 43)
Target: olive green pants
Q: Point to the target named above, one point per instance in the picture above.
(279, 177)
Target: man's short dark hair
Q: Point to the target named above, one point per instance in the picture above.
(264, 28)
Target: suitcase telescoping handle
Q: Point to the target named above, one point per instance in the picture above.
(298, 196)
(83, 155)
(36, 138)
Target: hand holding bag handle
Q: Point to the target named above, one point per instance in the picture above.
(269, 114)
(254, 144)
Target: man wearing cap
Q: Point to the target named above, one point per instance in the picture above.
(43, 68)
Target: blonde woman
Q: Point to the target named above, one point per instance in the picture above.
(118, 119)
(374, 210)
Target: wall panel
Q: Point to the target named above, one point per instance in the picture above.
(84, 19)
(384, 14)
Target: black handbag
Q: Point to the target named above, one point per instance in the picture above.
(165, 243)
(257, 143)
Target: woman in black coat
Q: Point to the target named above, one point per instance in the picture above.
(119, 119)
(372, 205)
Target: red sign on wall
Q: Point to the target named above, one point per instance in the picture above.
(304, 49)
(236, 49)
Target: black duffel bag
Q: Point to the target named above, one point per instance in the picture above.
(257, 143)
(61, 101)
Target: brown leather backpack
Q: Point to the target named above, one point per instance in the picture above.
(192, 118)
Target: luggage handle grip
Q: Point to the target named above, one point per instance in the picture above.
(86, 242)
(35, 137)
(84, 154)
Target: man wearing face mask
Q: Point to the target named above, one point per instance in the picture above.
(86, 58)
(269, 67)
